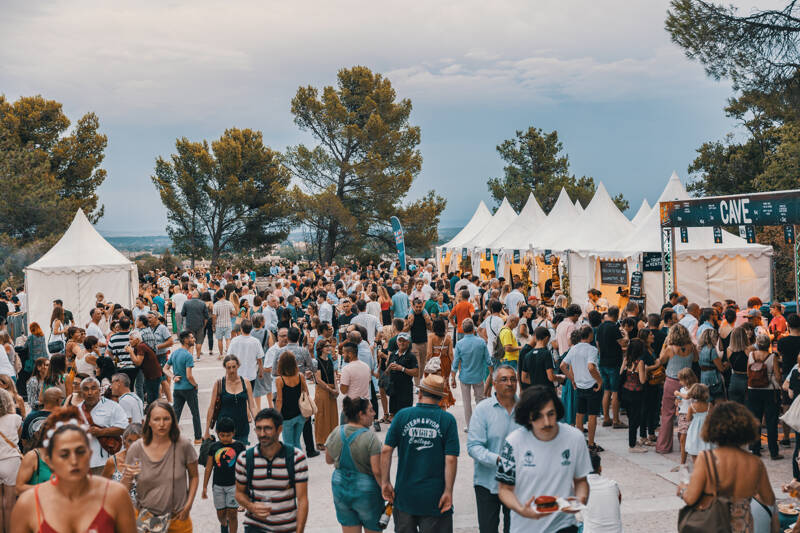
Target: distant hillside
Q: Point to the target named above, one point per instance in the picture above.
(151, 243)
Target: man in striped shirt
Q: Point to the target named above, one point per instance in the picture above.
(271, 501)
(117, 343)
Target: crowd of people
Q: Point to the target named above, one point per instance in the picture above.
(102, 396)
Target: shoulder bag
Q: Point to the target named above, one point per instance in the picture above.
(716, 518)
(792, 415)
(307, 406)
(56, 346)
(111, 445)
(385, 381)
(217, 403)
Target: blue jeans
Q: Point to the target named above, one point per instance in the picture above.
(292, 430)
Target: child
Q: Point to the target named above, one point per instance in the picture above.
(698, 409)
(222, 460)
(687, 378)
(602, 511)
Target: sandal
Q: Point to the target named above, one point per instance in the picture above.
(321, 447)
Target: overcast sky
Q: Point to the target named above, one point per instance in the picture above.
(627, 104)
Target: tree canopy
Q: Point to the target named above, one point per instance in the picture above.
(226, 197)
(536, 162)
(359, 172)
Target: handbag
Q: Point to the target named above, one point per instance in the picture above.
(792, 415)
(148, 521)
(111, 445)
(307, 407)
(658, 376)
(54, 346)
(716, 518)
(217, 403)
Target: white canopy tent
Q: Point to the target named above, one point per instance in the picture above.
(578, 206)
(705, 271)
(501, 220)
(479, 219)
(521, 234)
(564, 213)
(642, 213)
(81, 264)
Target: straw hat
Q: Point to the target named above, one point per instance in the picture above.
(434, 384)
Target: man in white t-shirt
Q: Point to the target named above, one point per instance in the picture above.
(514, 299)
(249, 352)
(178, 299)
(491, 325)
(93, 329)
(581, 366)
(543, 457)
(325, 312)
(130, 403)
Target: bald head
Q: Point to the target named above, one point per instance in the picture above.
(52, 398)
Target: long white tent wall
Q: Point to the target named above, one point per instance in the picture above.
(705, 271)
(642, 213)
(81, 264)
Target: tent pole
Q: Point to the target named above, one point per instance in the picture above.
(796, 275)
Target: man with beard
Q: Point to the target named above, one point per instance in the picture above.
(272, 490)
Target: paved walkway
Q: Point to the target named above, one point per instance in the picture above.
(648, 487)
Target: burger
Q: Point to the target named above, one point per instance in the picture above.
(545, 504)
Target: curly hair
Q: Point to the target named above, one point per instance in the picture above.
(730, 424)
(678, 336)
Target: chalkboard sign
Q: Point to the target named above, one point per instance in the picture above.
(636, 284)
(788, 234)
(548, 256)
(652, 262)
(717, 235)
(516, 257)
(638, 300)
(614, 272)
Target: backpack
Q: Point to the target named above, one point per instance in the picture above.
(499, 349)
(758, 374)
(250, 466)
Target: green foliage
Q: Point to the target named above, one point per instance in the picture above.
(360, 171)
(226, 198)
(72, 157)
(536, 162)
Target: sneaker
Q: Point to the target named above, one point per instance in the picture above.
(607, 423)
(776, 457)
(596, 448)
(198, 441)
(312, 453)
(645, 442)
(786, 442)
(620, 425)
(637, 449)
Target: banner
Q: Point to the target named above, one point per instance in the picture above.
(548, 256)
(488, 254)
(399, 241)
(788, 234)
(516, 257)
(717, 235)
(684, 234)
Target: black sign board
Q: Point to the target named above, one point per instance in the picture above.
(636, 284)
(652, 262)
(684, 234)
(488, 254)
(516, 257)
(614, 272)
(767, 209)
(548, 256)
(463, 253)
(788, 234)
(717, 235)
(750, 233)
(638, 300)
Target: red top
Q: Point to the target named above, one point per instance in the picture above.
(102, 523)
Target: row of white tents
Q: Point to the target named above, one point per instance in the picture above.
(582, 237)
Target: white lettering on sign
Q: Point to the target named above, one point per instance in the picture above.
(735, 211)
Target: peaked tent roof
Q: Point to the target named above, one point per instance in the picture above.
(520, 235)
(647, 236)
(81, 248)
(602, 225)
(578, 206)
(642, 213)
(502, 219)
(480, 218)
(562, 212)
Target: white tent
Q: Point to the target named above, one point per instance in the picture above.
(81, 264)
(601, 226)
(520, 235)
(642, 213)
(564, 213)
(501, 220)
(578, 206)
(705, 271)
(479, 219)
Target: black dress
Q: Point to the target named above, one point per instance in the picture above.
(402, 384)
(234, 406)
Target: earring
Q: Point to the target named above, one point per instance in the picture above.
(54, 479)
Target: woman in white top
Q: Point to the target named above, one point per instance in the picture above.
(57, 328)
(602, 513)
(10, 457)
(86, 360)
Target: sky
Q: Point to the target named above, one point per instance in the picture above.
(628, 106)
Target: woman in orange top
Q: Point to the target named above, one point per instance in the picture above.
(440, 346)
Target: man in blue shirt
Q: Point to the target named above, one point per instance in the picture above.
(426, 438)
(400, 303)
(491, 423)
(472, 357)
(179, 368)
(158, 299)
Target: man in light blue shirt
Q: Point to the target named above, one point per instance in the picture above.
(472, 357)
(491, 423)
(400, 303)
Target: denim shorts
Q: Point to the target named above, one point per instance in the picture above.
(357, 498)
(224, 497)
(610, 375)
(222, 332)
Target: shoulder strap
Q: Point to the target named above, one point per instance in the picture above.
(249, 465)
(711, 466)
(288, 458)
